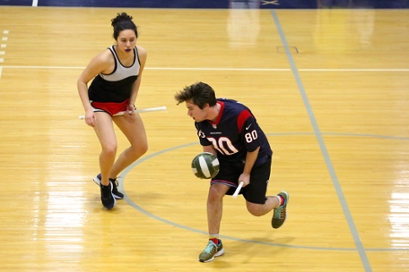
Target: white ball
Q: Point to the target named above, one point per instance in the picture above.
(205, 165)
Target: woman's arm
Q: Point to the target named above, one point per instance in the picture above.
(99, 64)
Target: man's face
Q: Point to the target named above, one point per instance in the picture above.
(195, 112)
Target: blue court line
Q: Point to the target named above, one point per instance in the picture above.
(330, 167)
(267, 243)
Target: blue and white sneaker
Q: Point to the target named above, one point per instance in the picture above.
(212, 250)
(280, 213)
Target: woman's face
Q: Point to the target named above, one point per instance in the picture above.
(126, 40)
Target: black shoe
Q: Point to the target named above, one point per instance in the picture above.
(117, 194)
(107, 198)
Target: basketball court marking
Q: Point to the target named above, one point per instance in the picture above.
(163, 220)
(3, 45)
(318, 135)
(306, 103)
(405, 70)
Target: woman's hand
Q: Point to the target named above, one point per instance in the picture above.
(130, 110)
(90, 118)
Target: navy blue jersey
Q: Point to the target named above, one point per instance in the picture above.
(234, 133)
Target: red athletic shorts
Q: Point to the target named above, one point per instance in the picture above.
(110, 107)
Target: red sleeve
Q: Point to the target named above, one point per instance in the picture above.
(243, 116)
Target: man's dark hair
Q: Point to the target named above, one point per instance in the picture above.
(199, 94)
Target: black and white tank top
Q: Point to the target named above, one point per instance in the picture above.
(116, 86)
(121, 71)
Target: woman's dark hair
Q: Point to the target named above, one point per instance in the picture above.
(121, 22)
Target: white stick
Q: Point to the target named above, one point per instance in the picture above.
(163, 108)
(236, 193)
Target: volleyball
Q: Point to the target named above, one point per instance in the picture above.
(205, 165)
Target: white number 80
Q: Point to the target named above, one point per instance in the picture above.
(251, 136)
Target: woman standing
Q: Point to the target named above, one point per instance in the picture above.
(116, 77)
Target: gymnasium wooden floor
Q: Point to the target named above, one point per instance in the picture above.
(329, 87)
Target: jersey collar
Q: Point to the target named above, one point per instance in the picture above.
(216, 122)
